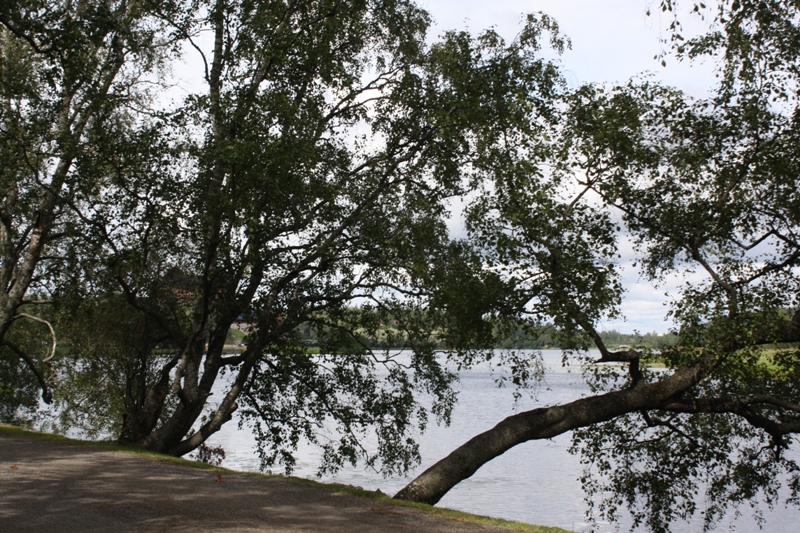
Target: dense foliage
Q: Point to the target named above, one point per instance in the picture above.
(302, 179)
(711, 186)
(70, 80)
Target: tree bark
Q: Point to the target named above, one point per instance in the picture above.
(543, 423)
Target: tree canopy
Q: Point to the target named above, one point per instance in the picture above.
(303, 179)
(69, 75)
(700, 186)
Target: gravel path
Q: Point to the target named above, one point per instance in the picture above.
(56, 486)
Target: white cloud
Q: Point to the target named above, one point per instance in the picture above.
(611, 40)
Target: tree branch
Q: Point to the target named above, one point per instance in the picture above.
(47, 395)
(49, 326)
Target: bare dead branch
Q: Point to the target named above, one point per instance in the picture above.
(52, 333)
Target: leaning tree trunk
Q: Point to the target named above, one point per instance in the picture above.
(543, 423)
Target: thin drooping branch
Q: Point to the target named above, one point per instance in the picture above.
(653, 421)
(39, 49)
(743, 408)
(47, 395)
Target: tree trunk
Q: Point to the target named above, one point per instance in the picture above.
(543, 423)
(137, 423)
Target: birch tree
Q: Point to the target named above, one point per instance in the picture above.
(308, 183)
(68, 71)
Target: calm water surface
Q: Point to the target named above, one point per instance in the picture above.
(535, 482)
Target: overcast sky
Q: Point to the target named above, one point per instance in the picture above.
(612, 41)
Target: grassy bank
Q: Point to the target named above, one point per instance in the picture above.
(333, 487)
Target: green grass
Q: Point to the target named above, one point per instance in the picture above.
(436, 511)
(236, 334)
(108, 445)
(771, 349)
(333, 487)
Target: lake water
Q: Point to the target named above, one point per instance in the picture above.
(536, 482)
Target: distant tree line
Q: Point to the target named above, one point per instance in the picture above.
(520, 336)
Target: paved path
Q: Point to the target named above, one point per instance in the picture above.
(51, 486)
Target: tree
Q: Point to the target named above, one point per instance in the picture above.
(307, 183)
(111, 356)
(21, 388)
(701, 185)
(67, 71)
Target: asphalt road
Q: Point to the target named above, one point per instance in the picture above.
(51, 486)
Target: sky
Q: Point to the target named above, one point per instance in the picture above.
(612, 41)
